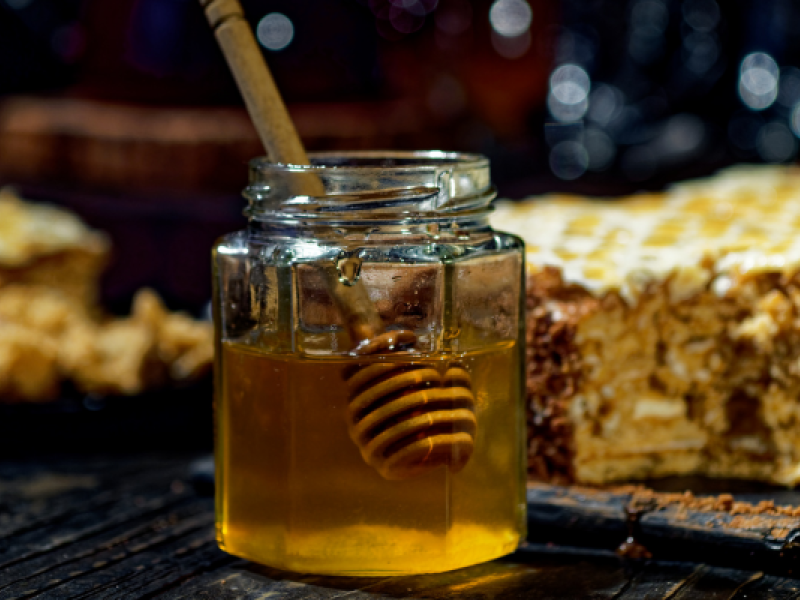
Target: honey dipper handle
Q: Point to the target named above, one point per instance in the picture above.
(255, 82)
(283, 145)
(360, 317)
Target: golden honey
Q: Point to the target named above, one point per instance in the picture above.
(294, 491)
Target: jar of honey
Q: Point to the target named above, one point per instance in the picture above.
(369, 416)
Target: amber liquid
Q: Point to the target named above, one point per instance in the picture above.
(295, 493)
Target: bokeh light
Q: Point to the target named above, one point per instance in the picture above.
(605, 104)
(700, 51)
(511, 22)
(600, 149)
(569, 160)
(701, 15)
(683, 134)
(649, 20)
(511, 47)
(275, 31)
(18, 4)
(510, 18)
(758, 80)
(568, 99)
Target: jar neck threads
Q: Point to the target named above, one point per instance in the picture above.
(373, 189)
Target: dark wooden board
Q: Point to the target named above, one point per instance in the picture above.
(602, 518)
(135, 527)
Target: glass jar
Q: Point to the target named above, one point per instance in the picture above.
(370, 331)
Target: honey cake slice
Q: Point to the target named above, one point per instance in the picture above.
(664, 330)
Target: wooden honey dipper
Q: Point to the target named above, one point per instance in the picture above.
(405, 418)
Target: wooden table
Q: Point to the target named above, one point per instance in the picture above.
(142, 527)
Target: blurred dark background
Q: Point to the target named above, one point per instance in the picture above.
(125, 112)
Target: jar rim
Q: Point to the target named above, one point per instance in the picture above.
(370, 186)
(384, 160)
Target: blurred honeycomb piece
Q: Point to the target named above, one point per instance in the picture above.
(52, 331)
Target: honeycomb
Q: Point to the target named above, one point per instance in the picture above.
(743, 220)
(52, 328)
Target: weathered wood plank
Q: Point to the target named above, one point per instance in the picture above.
(230, 583)
(582, 516)
(94, 557)
(113, 573)
(185, 565)
(46, 497)
(524, 574)
(660, 580)
(66, 538)
(128, 528)
(774, 588)
(713, 583)
(85, 527)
